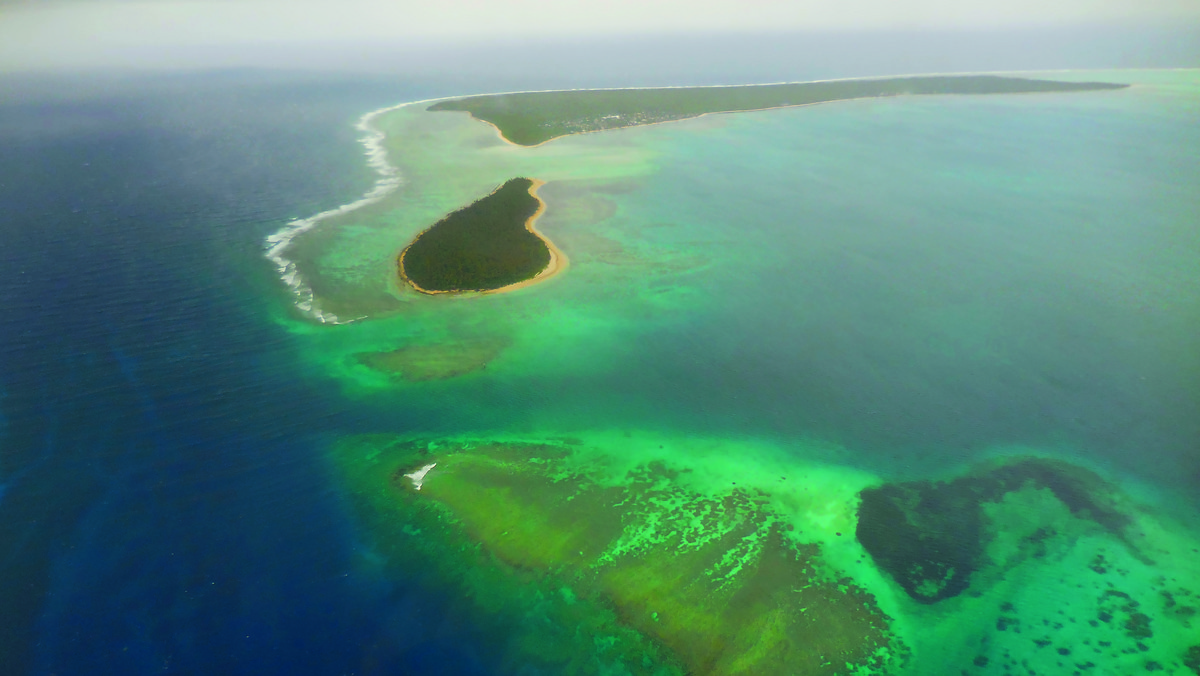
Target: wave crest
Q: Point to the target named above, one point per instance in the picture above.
(277, 243)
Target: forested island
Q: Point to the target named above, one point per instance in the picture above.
(487, 246)
(532, 118)
(491, 244)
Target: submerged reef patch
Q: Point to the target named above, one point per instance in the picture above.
(931, 536)
(608, 554)
(668, 577)
(438, 361)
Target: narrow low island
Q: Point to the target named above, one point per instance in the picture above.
(533, 118)
(488, 246)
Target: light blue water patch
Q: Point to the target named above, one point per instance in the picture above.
(928, 277)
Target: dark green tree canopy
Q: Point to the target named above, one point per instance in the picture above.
(481, 247)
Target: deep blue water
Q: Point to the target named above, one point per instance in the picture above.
(164, 502)
(164, 505)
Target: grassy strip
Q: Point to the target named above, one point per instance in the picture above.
(532, 118)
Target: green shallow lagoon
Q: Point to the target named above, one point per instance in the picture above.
(793, 306)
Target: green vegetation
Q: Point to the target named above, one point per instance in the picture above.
(481, 247)
(531, 118)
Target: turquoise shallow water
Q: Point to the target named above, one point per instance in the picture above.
(939, 275)
(918, 279)
(802, 303)
(875, 290)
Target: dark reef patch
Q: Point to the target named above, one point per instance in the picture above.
(931, 535)
(437, 361)
(1191, 659)
(482, 247)
(926, 534)
(1136, 624)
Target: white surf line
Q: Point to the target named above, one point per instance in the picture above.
(390, 178)
(277, 243)
(418, 477)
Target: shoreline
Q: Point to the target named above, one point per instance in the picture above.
(390, 180)
(558, 260)
(504, 138)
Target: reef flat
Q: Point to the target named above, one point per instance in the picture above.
(532, 118)
(435, 361)
(489, 245)
(606, 559)
(656, 575)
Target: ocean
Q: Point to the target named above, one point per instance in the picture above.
(165, 507)
(893, 288)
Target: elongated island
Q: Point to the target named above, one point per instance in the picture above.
(492, 245)
(533, 118)
(488, 246)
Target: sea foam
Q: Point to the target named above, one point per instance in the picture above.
(278, 243)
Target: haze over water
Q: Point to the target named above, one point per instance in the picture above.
(896, 287)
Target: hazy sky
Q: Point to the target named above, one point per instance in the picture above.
(40, 33)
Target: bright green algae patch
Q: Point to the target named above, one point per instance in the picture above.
(483, 246)
(596, 557)
(531, 118)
